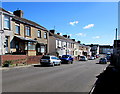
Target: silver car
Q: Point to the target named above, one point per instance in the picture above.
(50, 60)
(83, 58)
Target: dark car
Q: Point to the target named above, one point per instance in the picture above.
(108, 57)
(66, 59)
(103, 61)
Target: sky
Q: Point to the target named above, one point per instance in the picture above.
(88, 22)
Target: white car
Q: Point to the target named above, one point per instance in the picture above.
(83, 58)
(50, 60)
(91, 58)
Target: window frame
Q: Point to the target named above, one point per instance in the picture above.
(27, 33)
(45, 35)
(7, 19)
(31, 46)
(39, 33)
(17, 25)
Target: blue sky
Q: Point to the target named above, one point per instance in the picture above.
(89, 22)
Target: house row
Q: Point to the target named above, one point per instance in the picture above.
(20, 36)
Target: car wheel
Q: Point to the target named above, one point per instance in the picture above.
(71, 62)
(59, 64)
(53, 64)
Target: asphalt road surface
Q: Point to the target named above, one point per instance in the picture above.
(77, 77)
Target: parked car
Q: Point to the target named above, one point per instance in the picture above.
(103, 61)
(108, 57)
(50, 60)
(83, 58)
(97, 56)
(66, 59)
(91, 58)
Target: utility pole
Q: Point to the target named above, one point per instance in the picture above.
(116, 34)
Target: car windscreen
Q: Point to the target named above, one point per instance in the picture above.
(102, 59)
(65, 56)
(45, 57)
(82, 57)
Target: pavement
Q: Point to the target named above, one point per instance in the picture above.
(7, 68)
(108, 82)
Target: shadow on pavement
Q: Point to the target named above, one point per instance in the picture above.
(108, 82)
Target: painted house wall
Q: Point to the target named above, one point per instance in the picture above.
(4, 33)
(52, 45)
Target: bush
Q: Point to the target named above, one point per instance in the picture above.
(7, 63)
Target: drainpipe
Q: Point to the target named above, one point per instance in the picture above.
(1, 31)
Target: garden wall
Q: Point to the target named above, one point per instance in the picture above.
(20, 59)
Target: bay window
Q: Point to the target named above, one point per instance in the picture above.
(31, 46)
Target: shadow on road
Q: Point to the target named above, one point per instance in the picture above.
(37, 66)
(108, 82)
(100, 63)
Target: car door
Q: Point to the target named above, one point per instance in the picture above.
(57, 60)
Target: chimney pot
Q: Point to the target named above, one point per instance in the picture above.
(69, 37)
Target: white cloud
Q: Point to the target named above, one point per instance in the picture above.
(81, 34)
(96, 37)
(73, 23)
(88, 26)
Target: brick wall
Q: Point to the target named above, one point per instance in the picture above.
(20, 59)
(14, 58)
(34, 59)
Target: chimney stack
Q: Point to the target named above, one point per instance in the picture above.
(79, 42)
(52, 31)
(73, 39)
(58, 33)
(18, 13)
(65, 36)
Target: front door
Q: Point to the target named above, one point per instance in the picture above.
(6, 46)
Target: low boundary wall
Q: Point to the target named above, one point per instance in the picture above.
(20, 59)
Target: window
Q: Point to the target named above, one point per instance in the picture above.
(39, 33)
(6, 22)
(42, 49)
(31, 46)
(54, 58)
(17, 26)
(27, 31)
(45, 35)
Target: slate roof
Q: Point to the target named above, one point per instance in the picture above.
(26, 21)
(29, 22)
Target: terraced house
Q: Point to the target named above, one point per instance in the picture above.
(6, 31)
(62, 45)
(28, 37)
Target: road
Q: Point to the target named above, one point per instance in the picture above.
(77, 77)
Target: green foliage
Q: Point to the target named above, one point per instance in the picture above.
(7, 63)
